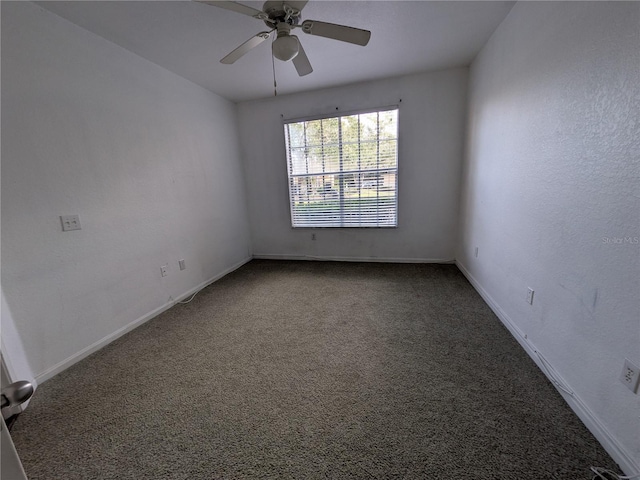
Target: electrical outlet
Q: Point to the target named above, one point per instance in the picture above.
(70, 222)
(630, 375)
(476, 252)
(182, 264)
(163, 270)
(313, 236)
(530, 293)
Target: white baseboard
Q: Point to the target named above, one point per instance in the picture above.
(85, 352)
(331, 258)
(617, 452)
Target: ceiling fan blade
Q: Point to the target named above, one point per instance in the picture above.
(301, 61)
(235, 7)
(245, 47)
(337, 32)
(297, 4)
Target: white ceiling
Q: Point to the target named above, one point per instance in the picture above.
(189, 39)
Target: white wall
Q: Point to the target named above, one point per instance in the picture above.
(552, 171)
(431, 136)
(148, 160)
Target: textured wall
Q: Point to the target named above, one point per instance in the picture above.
(551, 194)
(430, 149)
(148, 160)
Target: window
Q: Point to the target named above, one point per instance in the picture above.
(343, 171)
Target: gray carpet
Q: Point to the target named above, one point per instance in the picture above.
(311, 370)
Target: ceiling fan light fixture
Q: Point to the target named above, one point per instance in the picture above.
(285, 47)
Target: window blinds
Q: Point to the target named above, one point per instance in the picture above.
(343, 171)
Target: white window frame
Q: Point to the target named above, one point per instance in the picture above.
(364, 220)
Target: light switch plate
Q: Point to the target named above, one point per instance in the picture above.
(70, 222)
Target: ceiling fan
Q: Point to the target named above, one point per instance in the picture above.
(282, 17)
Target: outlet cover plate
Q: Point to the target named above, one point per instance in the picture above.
(630, 375)
(530, 294)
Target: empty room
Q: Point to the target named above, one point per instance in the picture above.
(320, 239)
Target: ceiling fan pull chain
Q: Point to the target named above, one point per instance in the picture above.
(275, 85)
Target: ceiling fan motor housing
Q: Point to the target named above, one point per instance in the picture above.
(279, 12)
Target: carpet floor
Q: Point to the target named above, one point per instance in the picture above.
(305, 370)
